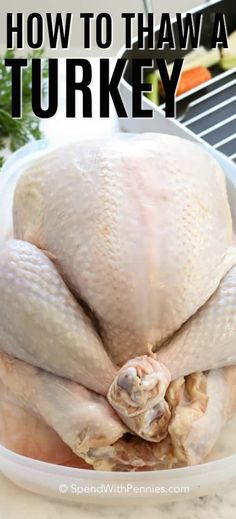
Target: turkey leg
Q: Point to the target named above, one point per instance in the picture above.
(24, 433)
(82, 418)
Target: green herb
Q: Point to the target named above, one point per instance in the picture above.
(18, 131)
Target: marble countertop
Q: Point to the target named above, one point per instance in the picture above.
(16, 503)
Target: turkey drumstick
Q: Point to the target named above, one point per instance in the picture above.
(26, 434)
(200, 405)
(82, 418)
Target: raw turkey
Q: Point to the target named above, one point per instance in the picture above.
(140, 229)
(121, 278)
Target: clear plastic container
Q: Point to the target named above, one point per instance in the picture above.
(79, 485)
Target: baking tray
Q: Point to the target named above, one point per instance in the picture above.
(208, 112)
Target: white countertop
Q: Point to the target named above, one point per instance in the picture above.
(16, 503)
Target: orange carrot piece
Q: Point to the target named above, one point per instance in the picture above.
(190, 79)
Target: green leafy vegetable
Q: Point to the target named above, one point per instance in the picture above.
(18, 131)
(152, 79)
